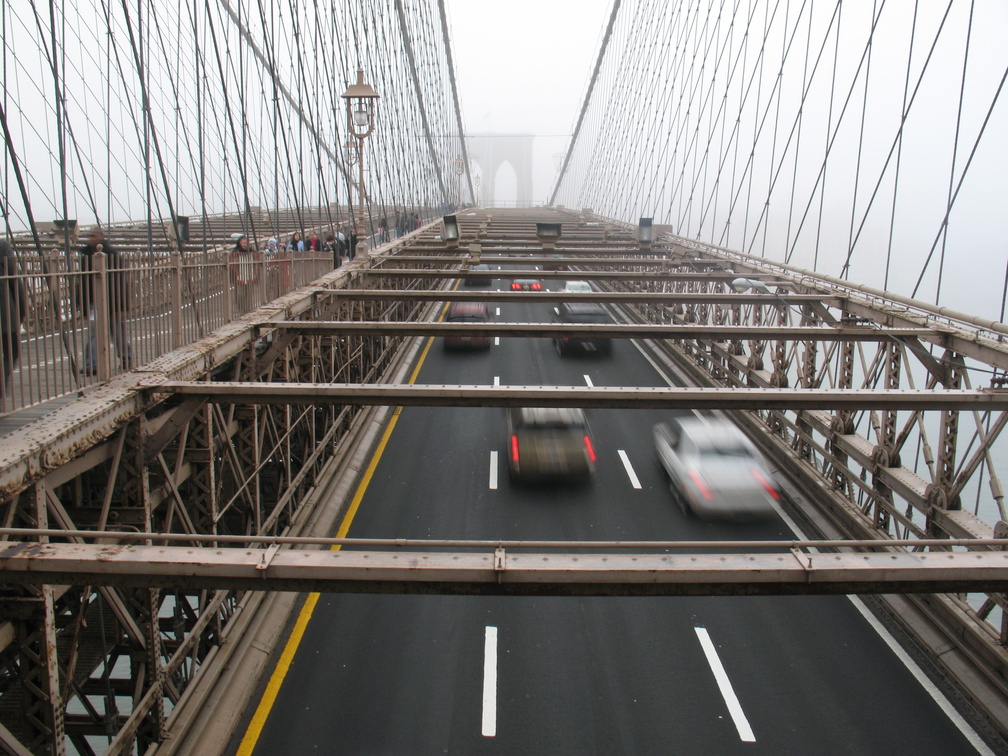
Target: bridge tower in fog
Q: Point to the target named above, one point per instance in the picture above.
(491, 151)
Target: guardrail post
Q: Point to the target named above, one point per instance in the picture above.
(100, 331)
(228, 293)
(176, 300)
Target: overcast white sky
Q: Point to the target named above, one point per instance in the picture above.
(522, 67)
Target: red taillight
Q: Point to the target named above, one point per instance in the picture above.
(514, 448)
(589, 448)
(704, 491)
(774, 494)
(536, 287)
(515, 287)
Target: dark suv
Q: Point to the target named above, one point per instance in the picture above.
(583, 313)
(549, 444)
(467, 312)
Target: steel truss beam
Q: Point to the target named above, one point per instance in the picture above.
(501, 572)
(552, 297)
(640, 397)
(709, 332)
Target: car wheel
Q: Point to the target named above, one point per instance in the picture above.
(661, 468)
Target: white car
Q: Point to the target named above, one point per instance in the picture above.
(577, 286)
(713, 469)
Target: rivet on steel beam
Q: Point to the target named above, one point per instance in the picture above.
(267, 557)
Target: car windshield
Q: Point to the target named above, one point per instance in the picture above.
(725, 448)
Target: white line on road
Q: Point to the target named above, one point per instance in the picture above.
(589, 381)
(496, 340)
(498, 312)
(634, 480)
(490, 682)
(496, 380)
(734, 707)
(912, 667)
(493, 471)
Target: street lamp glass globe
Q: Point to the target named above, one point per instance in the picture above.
(361, 117)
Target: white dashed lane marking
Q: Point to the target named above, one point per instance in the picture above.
(634, 480)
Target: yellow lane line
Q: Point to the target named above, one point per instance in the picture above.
(262, 711)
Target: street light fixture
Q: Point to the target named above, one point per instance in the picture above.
(645, 233)
(360, 103)
(451, 231)
(742, 285)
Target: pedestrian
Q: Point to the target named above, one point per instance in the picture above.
(116, 294)
(13, 310)
(383, 230)
(331, 248)
(314, 243)
(278, 265)
(296, 244)
(416, 221)
(244, 273)
(341, 243)
(352, 243)
(398, 224)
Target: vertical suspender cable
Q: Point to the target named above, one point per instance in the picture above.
(955, 152)
(587, 99)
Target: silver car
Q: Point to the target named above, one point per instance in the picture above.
(714, 470)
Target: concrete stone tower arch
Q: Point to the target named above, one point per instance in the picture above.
(491, 151)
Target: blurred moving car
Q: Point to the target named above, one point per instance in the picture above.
(467, 312)
(479, 275)
(584, 313)
(549, 444)
(715, 471)
(577, 286)
(526, 284)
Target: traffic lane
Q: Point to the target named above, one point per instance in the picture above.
(404, 674)
(383, 674)
(629, 676)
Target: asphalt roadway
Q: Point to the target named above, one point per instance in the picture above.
(503, 675)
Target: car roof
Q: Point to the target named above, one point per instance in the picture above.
(467, 308)
(584, 308)
(712, 432)
(549, 416)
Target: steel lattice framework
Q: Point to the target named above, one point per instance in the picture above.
(226, 453)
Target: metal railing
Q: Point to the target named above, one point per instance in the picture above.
(83, 326)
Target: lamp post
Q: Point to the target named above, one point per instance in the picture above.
(459, 170)
(360, 104)
(476, 199)
(350, 152)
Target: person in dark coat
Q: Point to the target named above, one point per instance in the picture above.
(352, 243)
(244, 269)
(117, 294)
(13, 309)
